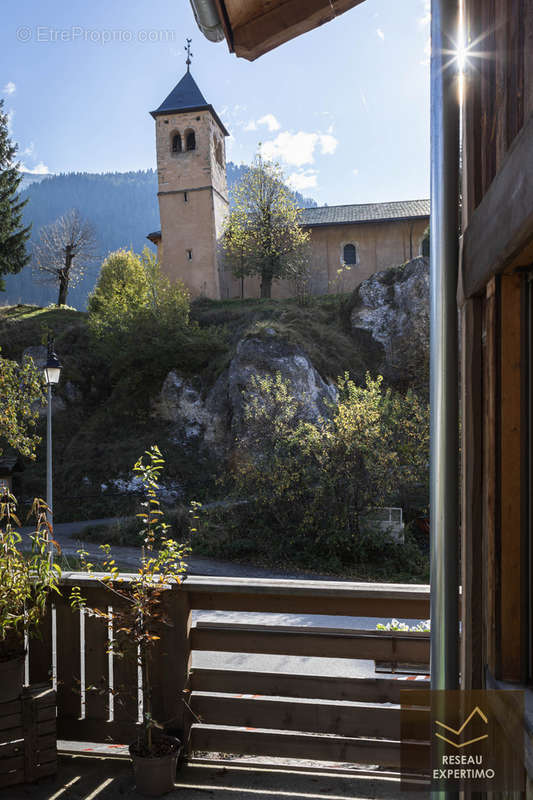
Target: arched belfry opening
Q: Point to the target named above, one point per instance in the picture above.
(190, 140)
(175, 142)
(217, 144)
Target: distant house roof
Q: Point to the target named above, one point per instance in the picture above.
(365, 212)
(186, 96)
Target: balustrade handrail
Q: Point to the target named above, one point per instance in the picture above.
(283, 586)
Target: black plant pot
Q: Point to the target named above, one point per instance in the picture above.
(155, 774)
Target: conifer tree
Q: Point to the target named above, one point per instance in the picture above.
(13, 235)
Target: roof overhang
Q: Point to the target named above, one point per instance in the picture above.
(258, 26)
(166, 112)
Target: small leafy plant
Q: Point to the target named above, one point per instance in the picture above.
(395, 625)
(26, 576)
(138, 613)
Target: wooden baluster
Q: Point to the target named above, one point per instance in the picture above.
(68, 667)
(96, 666)
(171, 664)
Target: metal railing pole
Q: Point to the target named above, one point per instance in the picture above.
(444, 477)
(49, 490)
(444, 424)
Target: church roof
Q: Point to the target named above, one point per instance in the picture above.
(186, 96)
(365, 212)
(353, 214)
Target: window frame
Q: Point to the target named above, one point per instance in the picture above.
(355, 254)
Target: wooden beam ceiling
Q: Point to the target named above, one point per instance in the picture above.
(254, 27)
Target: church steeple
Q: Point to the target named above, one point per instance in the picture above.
(192, 187)
(186, 96)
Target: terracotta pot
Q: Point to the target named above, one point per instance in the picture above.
(155, 775)
(11, 679)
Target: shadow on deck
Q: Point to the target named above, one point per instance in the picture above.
(84, 778)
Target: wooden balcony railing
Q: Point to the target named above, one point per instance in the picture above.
(241, 711)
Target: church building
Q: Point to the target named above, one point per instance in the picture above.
(358, 240)
(193, 190)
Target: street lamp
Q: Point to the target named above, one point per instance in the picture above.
(52, 373)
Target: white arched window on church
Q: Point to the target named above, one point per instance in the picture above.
(349, 254)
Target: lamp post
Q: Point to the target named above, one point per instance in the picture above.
(52, 372)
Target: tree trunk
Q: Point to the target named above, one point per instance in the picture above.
(64, 277)
(266, 289)
(266, 284)
(63, 291)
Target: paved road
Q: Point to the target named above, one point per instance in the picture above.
(69, 535)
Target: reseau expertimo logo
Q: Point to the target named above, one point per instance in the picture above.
(462, 740)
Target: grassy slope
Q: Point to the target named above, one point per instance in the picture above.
(94, 440)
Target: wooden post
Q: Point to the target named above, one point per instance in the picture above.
(40, 649)
(176, 663)
(68, 667)
(490, 476)
(511, 612)
(471, 491)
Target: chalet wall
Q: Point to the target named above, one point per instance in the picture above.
(498, 88)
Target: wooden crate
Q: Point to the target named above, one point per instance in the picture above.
(28, 736)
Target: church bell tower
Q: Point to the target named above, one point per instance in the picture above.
(192, 187)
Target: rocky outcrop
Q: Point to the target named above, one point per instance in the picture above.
(389, 315)
(180, 403)
(267, 355)
(218, 419)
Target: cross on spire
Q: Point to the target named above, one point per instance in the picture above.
(187, 49)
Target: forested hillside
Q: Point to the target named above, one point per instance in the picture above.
(122, 207)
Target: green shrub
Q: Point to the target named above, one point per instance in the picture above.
(140, 326)
(307, 484)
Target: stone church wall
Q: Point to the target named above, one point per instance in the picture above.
(379, 245)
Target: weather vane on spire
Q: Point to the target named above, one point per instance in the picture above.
(187, 48)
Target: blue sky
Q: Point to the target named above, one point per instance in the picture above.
(344, 108)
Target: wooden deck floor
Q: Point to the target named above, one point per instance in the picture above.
(84, 778)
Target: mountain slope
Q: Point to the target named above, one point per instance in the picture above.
(122, 207)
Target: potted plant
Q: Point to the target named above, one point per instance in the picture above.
(137, 621)
(26, 579)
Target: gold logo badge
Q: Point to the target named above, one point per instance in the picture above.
(458, 745)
